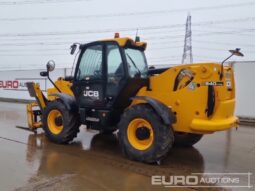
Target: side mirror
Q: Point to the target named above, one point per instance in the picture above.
(73, 49)
(50, 66)
(44, 74)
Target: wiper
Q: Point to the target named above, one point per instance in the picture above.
(139, 72)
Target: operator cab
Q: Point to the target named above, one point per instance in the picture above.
(107, 75)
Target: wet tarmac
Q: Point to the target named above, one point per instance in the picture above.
(94, 162)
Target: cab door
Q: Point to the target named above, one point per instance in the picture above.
(116, 73)
(90, 76)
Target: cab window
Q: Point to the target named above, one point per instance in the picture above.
(91, 63)
(114, 61)
(115, 70)
(137, 63)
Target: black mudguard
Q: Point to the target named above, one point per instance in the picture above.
(68, 100)
(162, 110)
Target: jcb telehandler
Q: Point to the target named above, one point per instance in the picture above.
(152, 109)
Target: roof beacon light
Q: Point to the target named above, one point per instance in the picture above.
(137, 39)
(117, 35)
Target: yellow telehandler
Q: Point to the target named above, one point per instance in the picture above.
(113, 89)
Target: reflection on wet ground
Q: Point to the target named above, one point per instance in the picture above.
(94, 161)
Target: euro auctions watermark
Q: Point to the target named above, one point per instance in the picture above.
(206, 180)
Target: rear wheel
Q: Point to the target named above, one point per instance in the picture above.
(143, 136)
(186, 139)
(60, 124)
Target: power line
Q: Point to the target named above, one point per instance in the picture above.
(83, 36)
(21, 55)
(204, 34)
(229, 32)
(222, 27)
(151, 38)
(148, 38)
(86, 32)
(36, 43)
(33, 50)
(167, 47)
(217, 49)
(3, 46)
(29, 2)
(203, 8)
(247, 19)
(223, 43)
(80, 37)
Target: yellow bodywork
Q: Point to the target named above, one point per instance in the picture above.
(63, 86)
(190, 103)
(39, 96)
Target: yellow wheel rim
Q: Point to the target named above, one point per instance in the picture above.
(51, 120)
(134, 126)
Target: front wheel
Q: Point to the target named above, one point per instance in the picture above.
(60, 124)
(143, 136)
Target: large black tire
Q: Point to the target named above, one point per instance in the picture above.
(186, 139)
(67, 119)
(163, 136)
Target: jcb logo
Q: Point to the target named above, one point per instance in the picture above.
(90, 93)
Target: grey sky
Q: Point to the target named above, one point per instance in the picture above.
(30, 33)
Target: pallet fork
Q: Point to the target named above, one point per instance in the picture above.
(34, 109)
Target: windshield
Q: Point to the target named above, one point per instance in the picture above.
(136, 62)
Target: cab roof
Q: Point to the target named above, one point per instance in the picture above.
(125, 41)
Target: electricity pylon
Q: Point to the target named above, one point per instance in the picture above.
(187, 57)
